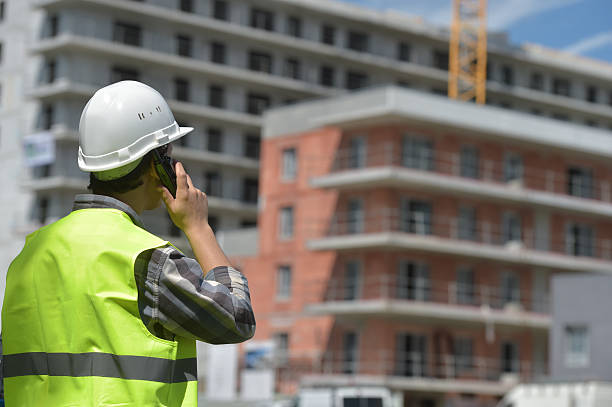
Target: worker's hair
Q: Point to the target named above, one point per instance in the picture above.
(124, 184)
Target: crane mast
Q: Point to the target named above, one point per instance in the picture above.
(468, 51)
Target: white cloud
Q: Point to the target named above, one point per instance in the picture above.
(590, 43)
(501, 14)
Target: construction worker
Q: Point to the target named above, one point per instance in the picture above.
(100, 312)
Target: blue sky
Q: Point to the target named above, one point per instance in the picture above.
(582, 27)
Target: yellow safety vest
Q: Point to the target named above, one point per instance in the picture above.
(72, 332)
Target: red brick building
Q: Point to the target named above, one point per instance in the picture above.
(407, 241)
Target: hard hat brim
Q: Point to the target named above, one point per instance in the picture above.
(134, 151)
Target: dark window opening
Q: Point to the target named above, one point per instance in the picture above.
(216, 96)
(591, 94)
(294, 26)
(580, 182)
(256, 103)
(50, 71)
(186, 6)
(53, 25)
(184, 45)
(129, 34)
(48, 117)
(358, 41)
(181, 89)
(292, 68)
(220, 10)
(212, 183)
(251, 146)
(249, 190)
(537, 81)
(440, 60)
(328, 34)
(261, 62)
(124, 74)
(217, 52)
(262, 19)
(215, 140)
(561, 87)
(507, 75)
(356, 80)
(403, 51)
(327, 76)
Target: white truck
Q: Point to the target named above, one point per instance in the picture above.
(584, 394)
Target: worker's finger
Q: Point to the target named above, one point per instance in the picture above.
(189, 182)
(181, 178)
(167, 196)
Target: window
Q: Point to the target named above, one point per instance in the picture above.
(591, 94)
(186, 6)
(215, 140)
(468, 162)
(184, 141)
(217, 52)
(2, 10)
(513, 167)
(212, 183)
(286, 222)
(289, 169)
(259, 61)
(411, 355)
(184, 45)
(510, 358)
(326, 77)
(610, 98)
(465, 286)
(42, 209)
(440, 60)
(580, 182)
(251, 146)
(561, 116)
(561, 87)
(220, 10)
(250, 187)
(417, 153)
(216, 96)
(1, 52)
(294, 26)
(577, 346)
(467, 223)
(283, 283)
(42, 171)
(328, 34)
(510, 289)
(48, 117)
(357, 152)
(349, 353)
(124, 74)
(579, 239)
(413, 281)
(537, 81)
(590, 123)
(262, 19)
(53, 25)
(415, 217)
(281, 341)
(507, 75)
(181, 89)
(129, 34)
(247, 224)
(352, 280)
(354, 216)
(256, 103)
(292, 68)
(356, 80)
(50, 70)
(358, 41)
(463, 351)
(511, 227)
(403, 51)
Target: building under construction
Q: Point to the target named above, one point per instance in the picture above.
(405, 240)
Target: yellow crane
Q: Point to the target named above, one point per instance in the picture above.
(468, 51)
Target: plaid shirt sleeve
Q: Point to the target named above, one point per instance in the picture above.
(178, 300)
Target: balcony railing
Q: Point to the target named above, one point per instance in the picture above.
(425, 290)
(485, 170)
(574, 242)
(382, 362)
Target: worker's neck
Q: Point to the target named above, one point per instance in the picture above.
(134, 198)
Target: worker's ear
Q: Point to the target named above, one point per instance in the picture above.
(152, 171)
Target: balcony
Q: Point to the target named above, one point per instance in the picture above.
(414, 371)
(385, 166)
(391, 229)
(57, 183)
(64, 88)
(121, 53)
(249, 165)
(429, 302)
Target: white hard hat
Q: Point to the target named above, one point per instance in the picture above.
(120, 124)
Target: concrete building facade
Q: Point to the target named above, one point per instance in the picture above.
(410, 240)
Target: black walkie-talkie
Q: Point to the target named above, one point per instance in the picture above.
(165, 169)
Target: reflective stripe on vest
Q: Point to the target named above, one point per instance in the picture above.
(101, 365)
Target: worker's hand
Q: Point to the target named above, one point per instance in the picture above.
(189, 209)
